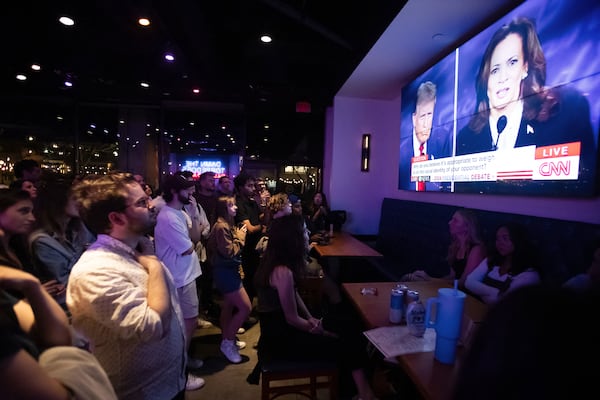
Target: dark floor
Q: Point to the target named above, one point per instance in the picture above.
(228, 381)
(223, 379)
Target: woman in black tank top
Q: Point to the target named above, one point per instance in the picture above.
(289, 331)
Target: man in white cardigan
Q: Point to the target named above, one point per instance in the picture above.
(121, 296)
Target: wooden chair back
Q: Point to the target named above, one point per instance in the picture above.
(310, 289)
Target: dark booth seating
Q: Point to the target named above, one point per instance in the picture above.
(337, 218)
(414, 235)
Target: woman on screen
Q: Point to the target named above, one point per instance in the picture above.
(513, 107)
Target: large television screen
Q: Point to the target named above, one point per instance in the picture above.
(515, 110)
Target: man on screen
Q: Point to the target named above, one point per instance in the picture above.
(422, 142)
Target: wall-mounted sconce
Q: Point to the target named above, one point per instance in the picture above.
(366, 152)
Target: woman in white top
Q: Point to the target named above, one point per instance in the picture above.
(509, 265)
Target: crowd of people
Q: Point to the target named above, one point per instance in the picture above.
(115, 278)
(125, 274)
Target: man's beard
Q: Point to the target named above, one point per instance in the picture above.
(144, 227)
(183, 199)
(149, 228)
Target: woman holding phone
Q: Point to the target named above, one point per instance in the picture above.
(225, 245)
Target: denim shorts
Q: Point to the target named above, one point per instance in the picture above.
(227, 280)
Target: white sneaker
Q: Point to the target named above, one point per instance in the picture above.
(230, 350)
(202, 323)
(194, 363)
(241, 331)
(193, 382)
(240, 345)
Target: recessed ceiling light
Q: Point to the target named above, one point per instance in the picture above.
(144, 84)
(21, 77)
(144, 21)
(266, 39)
(169, 57)
(196, 90)
(68, 84)
(66, 21)
(36, 67)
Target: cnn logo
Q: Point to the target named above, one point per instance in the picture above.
(555, 168)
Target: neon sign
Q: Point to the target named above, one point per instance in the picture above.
(199, 167)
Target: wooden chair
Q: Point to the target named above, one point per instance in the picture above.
(304, 378)
(310, 289)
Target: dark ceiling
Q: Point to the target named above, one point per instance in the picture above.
(242, 82)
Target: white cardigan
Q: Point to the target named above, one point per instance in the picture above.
(489, 294)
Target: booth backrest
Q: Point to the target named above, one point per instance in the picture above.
(337, 218)
(414, 235)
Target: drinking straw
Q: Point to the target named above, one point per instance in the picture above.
(456, 287)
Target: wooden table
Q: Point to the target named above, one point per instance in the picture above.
(374, 309)
(343, 244)
(433, 379)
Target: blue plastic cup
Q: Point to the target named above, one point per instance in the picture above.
(447, 323)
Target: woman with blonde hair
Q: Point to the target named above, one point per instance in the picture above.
(466, 249)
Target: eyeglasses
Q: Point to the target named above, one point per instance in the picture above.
(144, 202)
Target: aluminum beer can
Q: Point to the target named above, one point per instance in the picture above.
(404, 290)
(396, 305)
